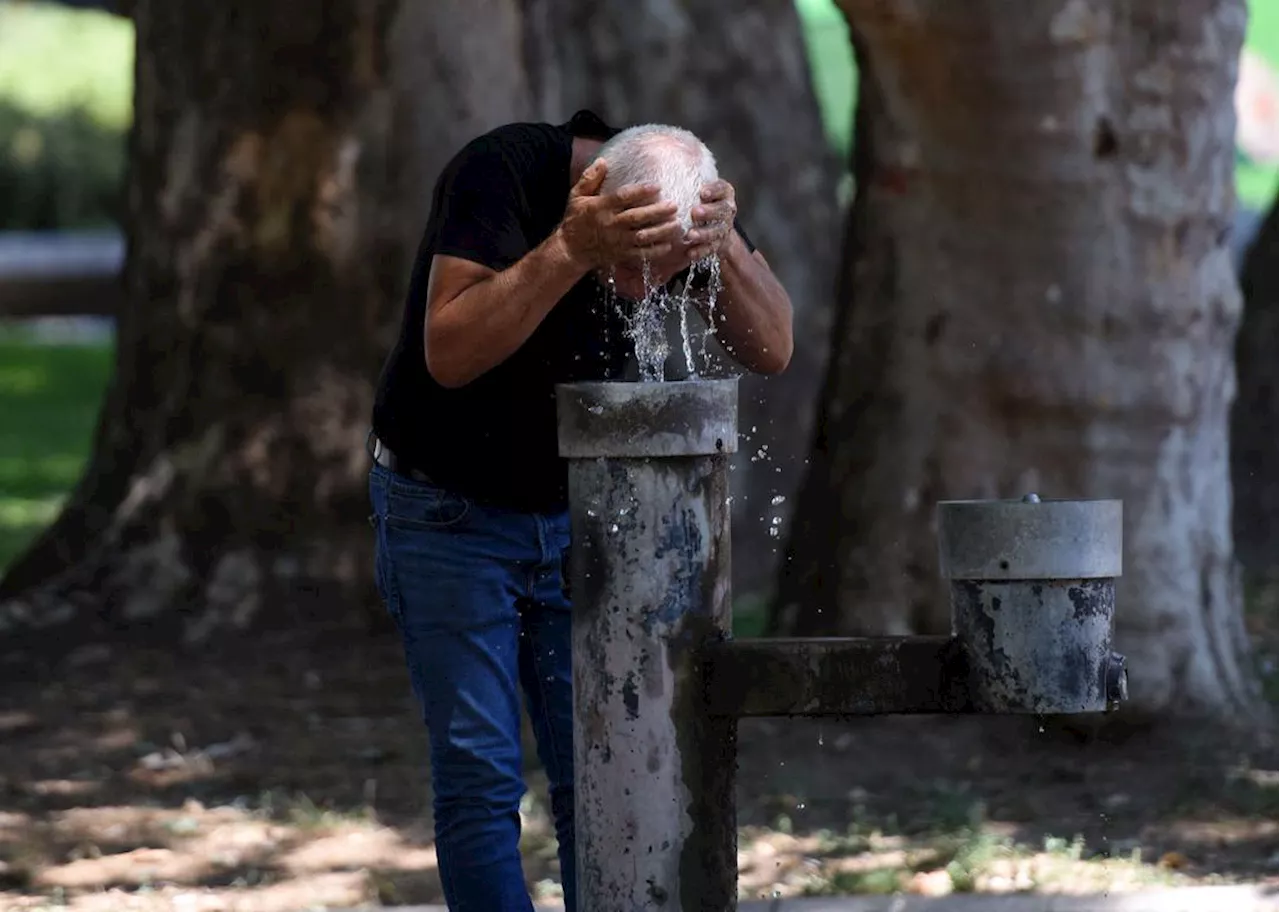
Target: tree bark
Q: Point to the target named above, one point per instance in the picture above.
(282, 158)
(740, 81)
(1036, 296)
(1254, 420)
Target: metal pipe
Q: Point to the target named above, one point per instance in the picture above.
(654, 773)
(858, 676)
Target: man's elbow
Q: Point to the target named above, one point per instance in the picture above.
(774, 359)
(776, 355)
(447, 378)
(447, 371)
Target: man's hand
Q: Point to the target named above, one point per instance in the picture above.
(601, 230)
(712, 221)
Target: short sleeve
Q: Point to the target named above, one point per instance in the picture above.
(478, 209)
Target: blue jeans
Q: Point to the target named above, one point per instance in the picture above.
(478, 596)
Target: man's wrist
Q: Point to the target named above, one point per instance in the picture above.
(735, 246)
(563, 252)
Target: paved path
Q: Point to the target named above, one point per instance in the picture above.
(1191, 899)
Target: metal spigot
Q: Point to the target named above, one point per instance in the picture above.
(1117, 682)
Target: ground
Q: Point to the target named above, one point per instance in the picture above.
(289, 773)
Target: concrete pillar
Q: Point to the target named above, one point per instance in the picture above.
(1033, 602)
(649, 500)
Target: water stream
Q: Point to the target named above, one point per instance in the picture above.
(645, 320)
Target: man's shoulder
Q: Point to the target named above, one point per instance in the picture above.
(516, 142)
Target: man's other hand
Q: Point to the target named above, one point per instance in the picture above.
(627, 225)
(712, 221)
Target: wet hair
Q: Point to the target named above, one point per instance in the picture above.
(674, 159)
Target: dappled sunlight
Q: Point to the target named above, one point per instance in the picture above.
(986, 860)
(145, 781)
(57, 472)
(21, 512)
(936, 805)
(236, 857)
(22, 380)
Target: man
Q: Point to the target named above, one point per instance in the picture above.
(507, 299)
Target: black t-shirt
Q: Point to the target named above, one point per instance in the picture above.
(494, 439)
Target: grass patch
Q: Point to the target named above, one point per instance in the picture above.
(51, 396)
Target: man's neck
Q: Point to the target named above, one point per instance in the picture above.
(584, 153)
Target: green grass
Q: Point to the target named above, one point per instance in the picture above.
(49, 400)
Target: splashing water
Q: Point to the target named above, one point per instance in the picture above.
(684, 331)
(714, 286)
(645, 323)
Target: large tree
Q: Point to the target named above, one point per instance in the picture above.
(1036, 296)
(740, 81)
(282, 159)
(1254, 424)
(281, 162)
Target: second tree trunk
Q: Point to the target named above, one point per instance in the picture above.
(1037, 297)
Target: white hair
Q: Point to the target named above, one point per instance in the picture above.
(674, 159)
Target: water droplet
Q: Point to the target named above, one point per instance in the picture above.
(778, 499)
(613, 527)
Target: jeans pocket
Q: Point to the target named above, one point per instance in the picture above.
(413, 505)
(383, 573)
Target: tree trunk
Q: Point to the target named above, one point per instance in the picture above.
(1254, 424)
(1037, 296)
(282, 158)
(740, 81)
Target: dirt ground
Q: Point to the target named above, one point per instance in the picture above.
(290, 774)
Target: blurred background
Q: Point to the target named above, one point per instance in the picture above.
(273, 768)
(66, 102)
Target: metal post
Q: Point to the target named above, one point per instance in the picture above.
(1032, 602)
(654, 774)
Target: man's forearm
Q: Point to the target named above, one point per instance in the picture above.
(752, 316)
(485, 324)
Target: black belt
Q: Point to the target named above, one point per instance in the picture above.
(392, 463)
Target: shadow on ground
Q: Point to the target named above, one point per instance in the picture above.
(289, 772)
